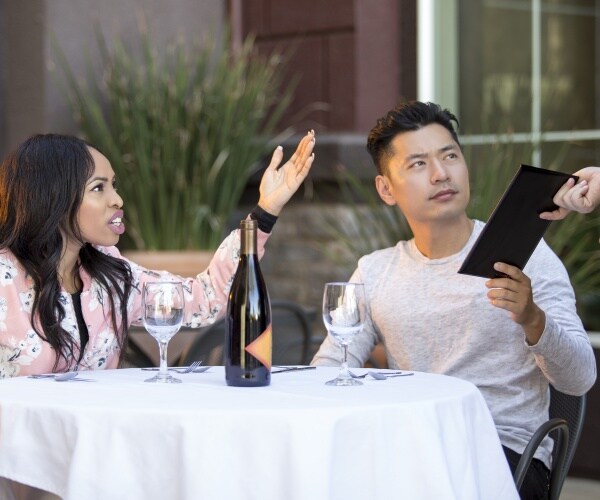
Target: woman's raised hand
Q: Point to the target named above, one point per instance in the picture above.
(279, 183)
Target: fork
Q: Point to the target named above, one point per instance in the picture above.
(188, 369)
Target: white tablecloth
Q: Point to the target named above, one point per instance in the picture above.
(421, 437)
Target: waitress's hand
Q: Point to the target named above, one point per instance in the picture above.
(278, 184)
(582, 197)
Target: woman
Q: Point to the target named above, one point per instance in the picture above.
(67, 296)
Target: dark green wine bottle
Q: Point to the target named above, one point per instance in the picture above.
(248, 338)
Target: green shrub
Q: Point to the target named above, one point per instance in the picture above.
(183, 132)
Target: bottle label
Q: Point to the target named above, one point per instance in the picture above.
(262, 347)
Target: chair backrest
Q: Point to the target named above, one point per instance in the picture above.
(292, 333)
(564, 426)
(207, 346)
(572, 409)
(292, 338)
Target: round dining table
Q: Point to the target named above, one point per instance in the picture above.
(422, 436)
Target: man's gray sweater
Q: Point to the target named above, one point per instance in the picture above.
(432, 319)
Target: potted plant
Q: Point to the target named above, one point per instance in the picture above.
(183, 133)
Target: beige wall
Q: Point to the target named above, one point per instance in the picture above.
(31, 98)
(22, 68)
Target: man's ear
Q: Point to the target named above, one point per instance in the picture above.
(382, 184)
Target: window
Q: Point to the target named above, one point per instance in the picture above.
(520, 71)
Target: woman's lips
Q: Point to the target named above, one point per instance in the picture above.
(115, 224)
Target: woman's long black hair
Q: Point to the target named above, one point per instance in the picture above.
(41, 189)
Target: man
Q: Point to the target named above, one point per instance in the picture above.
(510, 336)
(582, 197)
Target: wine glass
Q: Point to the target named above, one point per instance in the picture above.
(344, 313)
(163, 313)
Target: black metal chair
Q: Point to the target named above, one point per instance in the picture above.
(135, 357)
(206, 346)
(566, 421)
(292, 338)
(292, 333)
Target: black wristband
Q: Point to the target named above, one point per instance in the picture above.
(265, 220)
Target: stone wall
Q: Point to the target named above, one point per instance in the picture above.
(303, 254)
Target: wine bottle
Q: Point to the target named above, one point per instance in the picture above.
(248, 341)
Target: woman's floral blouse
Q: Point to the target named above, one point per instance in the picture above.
(23, 352)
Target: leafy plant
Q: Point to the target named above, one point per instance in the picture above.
(183, 132)
(372, 225)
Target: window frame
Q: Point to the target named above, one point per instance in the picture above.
(437, 75)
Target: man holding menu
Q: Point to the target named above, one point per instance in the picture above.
(510, 336)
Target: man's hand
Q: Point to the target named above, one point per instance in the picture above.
(513, 293)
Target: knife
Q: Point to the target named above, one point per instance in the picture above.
(295, 369)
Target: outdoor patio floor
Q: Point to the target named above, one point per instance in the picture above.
(580, 489)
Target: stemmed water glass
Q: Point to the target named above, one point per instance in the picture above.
(163, 314)
(344, 312)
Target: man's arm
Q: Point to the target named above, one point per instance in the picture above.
(545, 307)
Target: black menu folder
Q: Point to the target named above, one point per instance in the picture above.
(514, 229)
